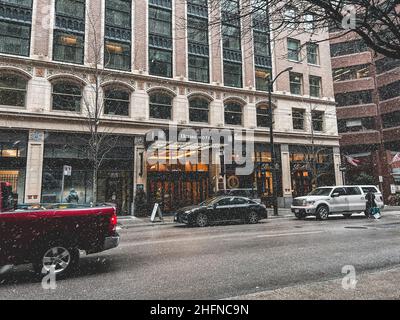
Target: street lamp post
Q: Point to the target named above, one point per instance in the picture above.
(270, 84)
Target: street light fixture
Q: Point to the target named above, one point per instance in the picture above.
(270, 84)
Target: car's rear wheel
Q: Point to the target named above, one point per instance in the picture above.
(253, 218)
(347, 215)
(58, 258)
(322, 213)
(202, 220)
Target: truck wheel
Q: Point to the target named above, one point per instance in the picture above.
(202, 220)
(299, 215)
(253, 218)
(347, 215)
(62, 258)
(322, 212)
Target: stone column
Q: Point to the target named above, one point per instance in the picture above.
(337, 163)
(247, 46)
(34, 167)
(286, 175)
(95, 33)
(140, 36)
(41, 26)
(216, 44)
(180, 49)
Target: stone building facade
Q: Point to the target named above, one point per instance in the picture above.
(165, 65)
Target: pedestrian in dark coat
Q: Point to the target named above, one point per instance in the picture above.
(370, 197)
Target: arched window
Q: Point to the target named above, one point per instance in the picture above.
(263, 116)
(116, 101)
(233, 113)
(12, 90)
(67, 96)
(198, 110)
(160, 106)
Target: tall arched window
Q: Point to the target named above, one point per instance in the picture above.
(160, 106)
(67, 96)
(116, 101)
(198, 110)
(233, 113)
(12, 90)
(263, 116)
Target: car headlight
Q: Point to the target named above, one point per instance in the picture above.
(187, 212)
(308, 203)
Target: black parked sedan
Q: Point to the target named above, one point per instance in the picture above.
(224, 208)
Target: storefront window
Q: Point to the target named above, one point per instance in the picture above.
(115, 176)
(13, 151)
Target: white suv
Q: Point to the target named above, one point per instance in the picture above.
(332, 200)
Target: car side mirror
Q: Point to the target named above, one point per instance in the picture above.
(336, 195)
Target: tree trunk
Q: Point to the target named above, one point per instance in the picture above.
(95, 173)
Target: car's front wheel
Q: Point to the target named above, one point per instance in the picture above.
(322, 212)
(202, 220)
(57, 258)
(299, 215)
(253, 218)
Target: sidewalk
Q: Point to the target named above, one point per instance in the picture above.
(383, 284)
(131, 222)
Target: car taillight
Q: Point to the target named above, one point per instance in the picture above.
(113, 221)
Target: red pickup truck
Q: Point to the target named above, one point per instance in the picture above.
(51, 237)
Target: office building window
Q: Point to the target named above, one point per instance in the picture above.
(263, 117)
(389, 91)
(231, 40)
(386, 64)
(351, 73)
(298, 116)
(160, 38)
(313, 53)
(262, 50)
(116, 102)
(296, 83)
(233, 113)
(293, 49)
(353, 98)
(69, 31)
(199, 110)
(197, 31)
(67, 96)
(118, 34)
(12, 90)
(160, 106)
(315, 86)
(318, 120)
(350, 47)
(15, 27)
(390, 120)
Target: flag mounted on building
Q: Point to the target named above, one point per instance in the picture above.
(396, 158)
(353, 161)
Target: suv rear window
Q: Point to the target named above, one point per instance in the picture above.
(353, 191)
(370, 189)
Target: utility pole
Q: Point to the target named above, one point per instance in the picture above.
(274, 164)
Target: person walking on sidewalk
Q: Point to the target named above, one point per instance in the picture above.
(370, 197)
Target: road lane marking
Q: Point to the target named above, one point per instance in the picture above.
(229, 236)
(289, 234)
